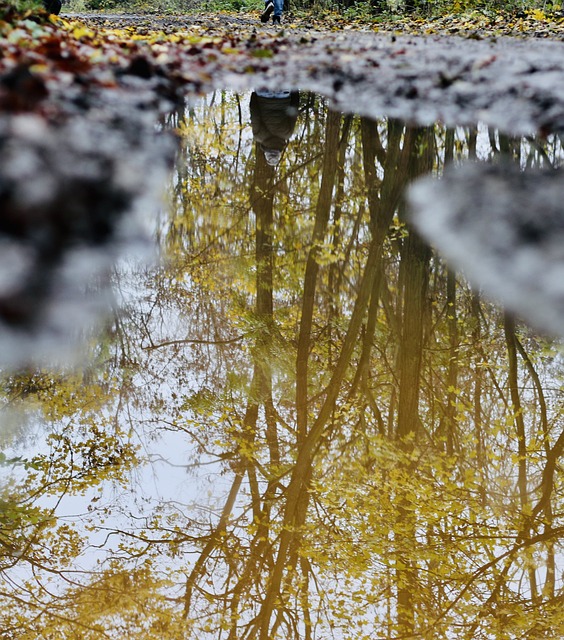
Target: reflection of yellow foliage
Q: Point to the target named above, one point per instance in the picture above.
(127, 602)
(381, 508)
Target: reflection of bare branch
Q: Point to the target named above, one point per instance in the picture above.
(191, 581)
(509, 554)
(196, 465)
(177, 539)
(547, 477)
(169, 343)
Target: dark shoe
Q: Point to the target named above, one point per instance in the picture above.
(268, 9)
(276, 19)
(53, 6)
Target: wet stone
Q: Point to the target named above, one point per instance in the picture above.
(504, 227)
(71, 196)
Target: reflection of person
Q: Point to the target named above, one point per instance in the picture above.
(273, 118)
(272, 6)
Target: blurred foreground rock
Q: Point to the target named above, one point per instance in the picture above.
(504, 228)
(73, 194)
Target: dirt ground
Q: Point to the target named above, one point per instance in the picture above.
(515, 84)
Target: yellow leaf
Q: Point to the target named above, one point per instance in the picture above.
(81, 32)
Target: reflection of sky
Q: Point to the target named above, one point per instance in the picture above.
(173, 473)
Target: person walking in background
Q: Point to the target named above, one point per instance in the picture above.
(270, 7)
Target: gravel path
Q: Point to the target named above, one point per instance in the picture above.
(514, 84)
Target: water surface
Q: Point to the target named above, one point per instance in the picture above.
(302, 423)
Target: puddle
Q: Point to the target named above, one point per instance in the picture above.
(303, 423)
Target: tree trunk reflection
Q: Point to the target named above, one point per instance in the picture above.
(363, 446)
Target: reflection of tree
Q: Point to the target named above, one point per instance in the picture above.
(384, 443)
(260, 396)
